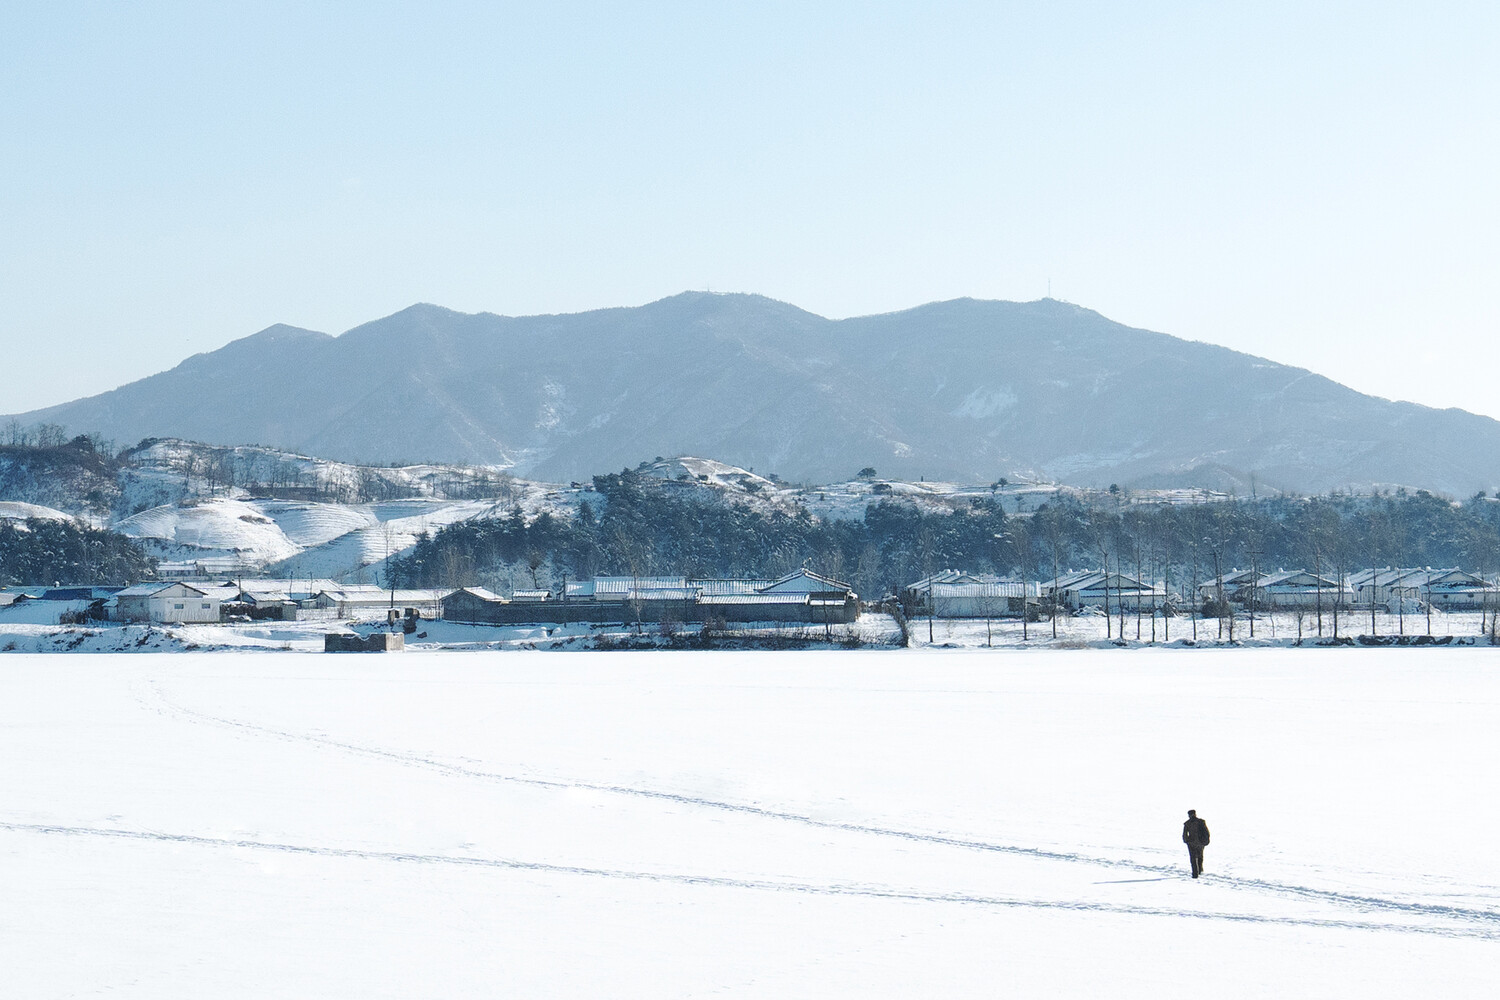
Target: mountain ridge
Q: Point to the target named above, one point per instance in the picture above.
(964, 389)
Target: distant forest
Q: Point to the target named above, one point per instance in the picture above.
(648, 528)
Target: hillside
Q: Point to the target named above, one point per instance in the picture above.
(71, 477)
(963, 390)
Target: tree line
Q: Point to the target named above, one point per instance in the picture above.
(42, 552)
(637, 525)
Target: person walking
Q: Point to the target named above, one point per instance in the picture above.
(1195, 836)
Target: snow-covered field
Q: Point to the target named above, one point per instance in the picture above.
(861, 824)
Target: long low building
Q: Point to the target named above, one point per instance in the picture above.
(953, 594)
(802, 596)
(1450, 589)
(1093, 589)
(367, 601)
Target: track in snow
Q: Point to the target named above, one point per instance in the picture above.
(1482, 922)
(719, 881)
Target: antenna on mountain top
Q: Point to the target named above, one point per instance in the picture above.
(1049, 288)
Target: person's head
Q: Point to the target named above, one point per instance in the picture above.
(1192, 814)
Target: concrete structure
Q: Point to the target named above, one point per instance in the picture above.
(166, 602)
(375, 642)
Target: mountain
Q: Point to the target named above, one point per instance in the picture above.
(965, 390)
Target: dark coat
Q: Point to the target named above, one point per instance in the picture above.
(1195, 833)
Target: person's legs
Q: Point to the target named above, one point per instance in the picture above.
(1195, 859)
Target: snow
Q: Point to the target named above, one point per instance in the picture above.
(186, 518)
(218, 526)
(393, 528)
(15, 510)
(38, 612)
(861, 824)
(305, 538)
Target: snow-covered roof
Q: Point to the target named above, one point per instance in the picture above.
(479, 592)
(425, 595)
(805, 581)
(296, 589)
(678, 588)
(1455, 577)
(1292, 579)
(156, 587)
(356, 591)
(1070, 581)
(79, 593)
(688, 593)
(734, 599)
(997, 589)
(40, 612)
(950, 576)
(729, 588)
(1230, 581)
(265, 596)
(615, 585)
(1098, 581)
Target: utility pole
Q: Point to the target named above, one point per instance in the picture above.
(931, 610)
(1254, 587)
(1219, 605)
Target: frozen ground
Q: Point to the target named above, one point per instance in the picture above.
(861, 824)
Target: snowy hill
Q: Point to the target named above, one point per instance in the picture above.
(11, 510)
(963, 390)
(252, 509)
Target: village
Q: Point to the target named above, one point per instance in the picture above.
(1080, 603)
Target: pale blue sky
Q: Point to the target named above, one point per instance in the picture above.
(1315, 183)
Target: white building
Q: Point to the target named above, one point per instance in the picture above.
(955, 594)
(983, 600)
(166, 602)
(367, 601)
(1228, 584)
(1296, 589)
(1093, 589)
(1442, 588)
